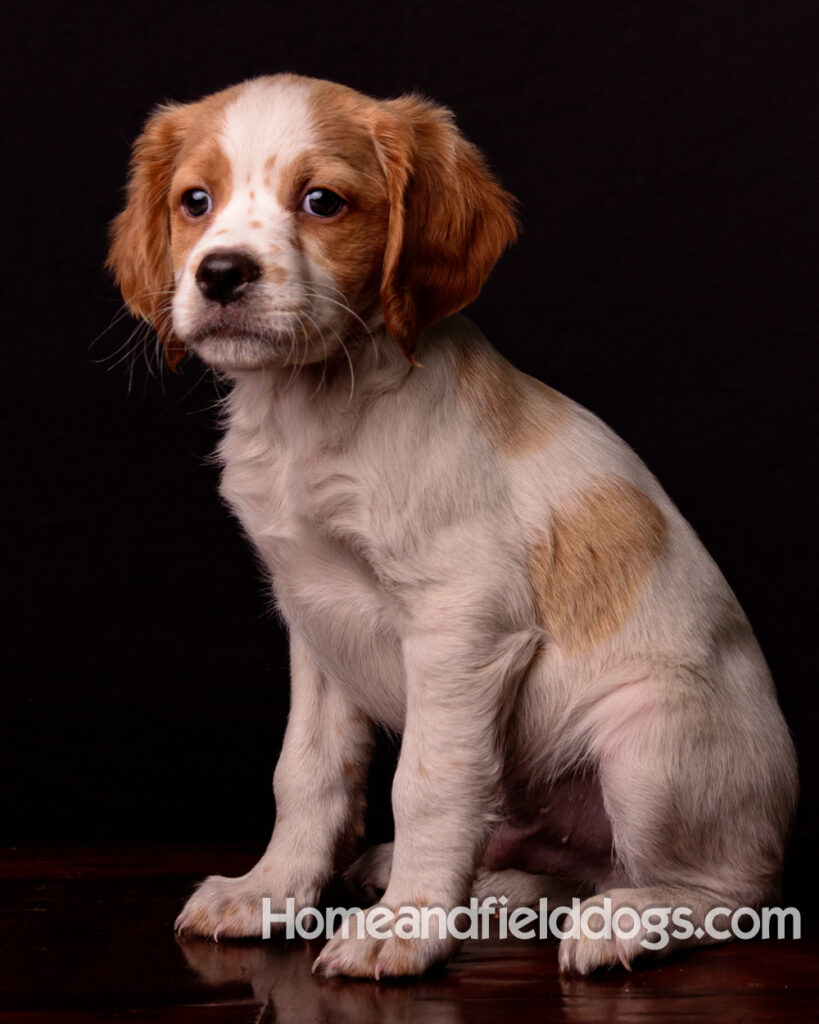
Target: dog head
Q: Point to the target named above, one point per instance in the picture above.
(271, 221)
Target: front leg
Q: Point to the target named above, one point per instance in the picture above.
(445, 791)
(319, 789)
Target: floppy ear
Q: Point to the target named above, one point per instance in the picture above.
(449, 218)
(140, 255)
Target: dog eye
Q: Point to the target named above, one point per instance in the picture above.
(196, 202)
(321, 202)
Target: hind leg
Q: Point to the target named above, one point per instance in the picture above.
(651, 921)
(521, 888)
(370, 873)
(699, 792)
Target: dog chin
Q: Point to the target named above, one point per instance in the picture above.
(234, 350)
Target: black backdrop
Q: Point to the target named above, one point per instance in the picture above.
(665, 156)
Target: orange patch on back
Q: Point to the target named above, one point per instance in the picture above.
(516, 412)
(588, 568)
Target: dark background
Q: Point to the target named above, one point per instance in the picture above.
(665, 156)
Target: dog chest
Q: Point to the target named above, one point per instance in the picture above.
(303, 516)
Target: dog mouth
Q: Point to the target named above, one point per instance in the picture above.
(229, 341)
(231, 333)
(279, 323)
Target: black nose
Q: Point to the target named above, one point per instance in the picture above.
(224, 276)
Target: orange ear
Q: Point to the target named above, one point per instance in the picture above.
(449, 218)
(139, 256)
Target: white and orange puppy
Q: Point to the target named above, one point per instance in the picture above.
(459, 553)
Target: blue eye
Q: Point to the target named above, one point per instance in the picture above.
(321, 202)
(196, 202)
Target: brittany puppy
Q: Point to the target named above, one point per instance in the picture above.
(459, 553)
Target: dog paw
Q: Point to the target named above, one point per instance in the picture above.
(585, 955)
(363, 955)
(228, 908)
(591, 951)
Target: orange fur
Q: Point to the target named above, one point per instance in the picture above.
(517, 413)
(588, 568)
(449, 219)
(347, 162)
(201, 165)
(140, 254)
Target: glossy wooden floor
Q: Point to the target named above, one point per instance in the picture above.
(87, 936)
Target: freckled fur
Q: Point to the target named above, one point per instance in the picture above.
(459, 554)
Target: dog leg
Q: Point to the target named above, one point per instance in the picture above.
(444, 790)
(699, 786)
(319, 788)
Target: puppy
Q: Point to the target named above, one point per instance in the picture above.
(459, 553)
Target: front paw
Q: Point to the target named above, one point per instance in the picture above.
(229, 907)
(366, 953)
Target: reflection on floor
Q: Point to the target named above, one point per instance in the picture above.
(87, 936)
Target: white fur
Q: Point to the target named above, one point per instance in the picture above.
(395, 535)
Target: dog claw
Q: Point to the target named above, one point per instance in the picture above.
(622, 957)
(326, 970)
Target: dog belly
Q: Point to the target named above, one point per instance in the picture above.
(568, 833)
